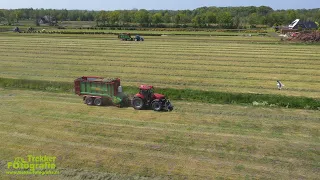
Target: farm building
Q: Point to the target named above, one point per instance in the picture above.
(47, 20)
(297, 24)
(303, 24)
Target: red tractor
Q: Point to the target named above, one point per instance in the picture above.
(146, 98)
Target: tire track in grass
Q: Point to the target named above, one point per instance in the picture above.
(240, 155)
(155, 126)
(193, 63)
(168, 59)
(156, 53)
(154, 155)
(195, 74)
(159, 74)
(169, 41)
(258, 157)
(286, 166)
(168, 84)
(137, 73)
(119, 47)
(256, 70)
(115, 142)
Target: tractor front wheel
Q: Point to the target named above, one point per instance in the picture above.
(137, 103)
(156, 105)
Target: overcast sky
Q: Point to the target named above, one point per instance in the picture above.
(153, 4)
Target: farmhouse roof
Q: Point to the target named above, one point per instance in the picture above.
(303, 24)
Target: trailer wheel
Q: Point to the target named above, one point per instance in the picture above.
(98, 102)
(137, 103)
(89, 100)
(156, 105)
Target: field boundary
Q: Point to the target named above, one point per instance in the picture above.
(213, 97)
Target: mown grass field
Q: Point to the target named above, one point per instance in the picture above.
(196, 141)
(228, 64)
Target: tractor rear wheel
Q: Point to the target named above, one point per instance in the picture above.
(156, 105)
(89, 100)
(137, 103)
(98, 102)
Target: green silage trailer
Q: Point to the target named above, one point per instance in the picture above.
(100, 91)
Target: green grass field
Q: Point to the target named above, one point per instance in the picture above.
(195, 141)
(228, 64)
(209, 141)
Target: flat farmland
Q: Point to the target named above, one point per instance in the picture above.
(195, 141)
(219, 63)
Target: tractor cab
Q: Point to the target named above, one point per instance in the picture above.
(147, 93)
(147, 98)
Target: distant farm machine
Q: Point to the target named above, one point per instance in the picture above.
(127, 37)
(100, 91)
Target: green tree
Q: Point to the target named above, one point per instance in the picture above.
(125, 17)
(318, 25)
(182, 18)
(253, 19)
(210, 17)
(114, 17)
(27, 13)
(177, 19)
(64, 14)
(185, 16)
(236, 21)
(17, 15)
(60, 17)
(54, 13)
(198, 21)
(201, 16)
(9, 16)
(167, 18)
(275, 18)
(317, 16)
(224, 19)
(264, 10)
(291, 15)
(157, 18)
(2, 16)
(101, 17)
(142, 17)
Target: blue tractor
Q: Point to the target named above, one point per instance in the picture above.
(139, 38)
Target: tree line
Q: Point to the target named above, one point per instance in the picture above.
(223, 17)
